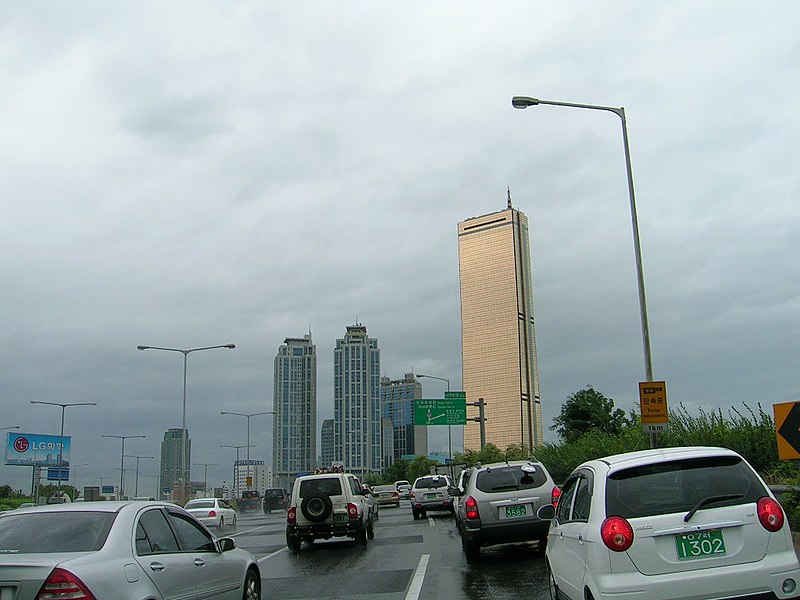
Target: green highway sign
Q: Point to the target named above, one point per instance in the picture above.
(450, 411)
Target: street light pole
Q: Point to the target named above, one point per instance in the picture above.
(235, 478)
(205, 474)
(122, 457)
(183, 466)
(61, 440)
(522, 102)
(136, 486)
(449, 434)
(247, 416)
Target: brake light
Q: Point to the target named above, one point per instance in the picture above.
(352, 511)
(471, 508)
(617, 534)
(63, 584)
(291, 515)
(770, 514)
(212, 513)
(555, 495)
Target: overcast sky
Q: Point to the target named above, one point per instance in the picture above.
(188, 174)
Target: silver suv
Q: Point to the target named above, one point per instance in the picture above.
(499, 502)
(326, 506)
(431, 492)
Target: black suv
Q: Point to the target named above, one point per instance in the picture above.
(275, 499)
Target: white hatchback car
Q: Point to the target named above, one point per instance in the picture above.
(672, 523)
(212, 512)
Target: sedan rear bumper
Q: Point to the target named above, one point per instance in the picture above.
(503, 533)
(324, 530)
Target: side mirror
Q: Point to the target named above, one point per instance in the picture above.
(226, 544)
(454, 491)
(547, 512)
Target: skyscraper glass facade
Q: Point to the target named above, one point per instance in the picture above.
(356, 401)
(294, 440)
(498, 340)
(397, 405)
(171, 449)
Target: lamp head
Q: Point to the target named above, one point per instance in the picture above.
(141, 347)
(523, 101)
(230, 346)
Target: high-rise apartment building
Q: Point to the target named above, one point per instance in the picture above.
(397, 405)
(357, 402)
(294, 439)
(326, 456)
(171, 450)
(498, 343)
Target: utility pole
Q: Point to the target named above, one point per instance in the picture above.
(481, 418)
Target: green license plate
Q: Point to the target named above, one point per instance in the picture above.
(518, 510)
(431, 496)
(700, 544)
(340, 518)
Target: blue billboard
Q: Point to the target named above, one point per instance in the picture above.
(32, 449)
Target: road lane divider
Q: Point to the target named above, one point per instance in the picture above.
(419, 576)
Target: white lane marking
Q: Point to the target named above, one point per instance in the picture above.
(263, 558)
(419, 576)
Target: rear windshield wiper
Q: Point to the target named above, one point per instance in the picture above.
(499, 488)
(709, 500)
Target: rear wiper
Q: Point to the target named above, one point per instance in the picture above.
(709, 500)
(499, 488)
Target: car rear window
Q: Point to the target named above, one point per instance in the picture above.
(330, 486)
(508, 478)
(678, 486)
(430, 483)
(199, 504)
(66, 531)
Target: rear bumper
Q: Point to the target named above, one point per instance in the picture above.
(324, 530)
(753, 581)
(433, 505)
(503, 533)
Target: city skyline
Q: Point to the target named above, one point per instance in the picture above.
(288, 170)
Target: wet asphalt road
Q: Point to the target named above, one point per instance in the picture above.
(407, 560)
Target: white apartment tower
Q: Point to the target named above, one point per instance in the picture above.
(357, 402)
(294, 439)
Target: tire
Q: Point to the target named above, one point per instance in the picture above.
(293, 544)
(551, 584)
(317, 507)
(415, 513)
(371, 530)
(234, 521)
(361, 536)
(252, 586)
(472, 550)
(221, 524)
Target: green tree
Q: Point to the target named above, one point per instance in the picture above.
(397, 471)
(419, 467)
(588, 410)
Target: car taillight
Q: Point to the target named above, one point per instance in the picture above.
(352, 511)
(395, 495)
(412, 495)
(291, 515)
(63, 584)
(555, 495)
(471, 508)
(770, 514)
(617, 534)
(212, 513)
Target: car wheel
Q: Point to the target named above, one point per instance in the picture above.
(317, 507)
(371, 530)
(293, 544)
(415, 513)
(361, 536)
(551, 584)
(221, 525)
(252, 586)
(471, 549)
(234, 521)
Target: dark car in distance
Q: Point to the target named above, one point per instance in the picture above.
(275, 499)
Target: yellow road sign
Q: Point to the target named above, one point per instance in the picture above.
(787, 429)
(653, 402)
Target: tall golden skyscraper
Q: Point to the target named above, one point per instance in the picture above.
(498, 343)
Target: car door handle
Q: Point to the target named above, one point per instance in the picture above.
(199, 562)
(561, 535)
(580, 538)
(156, 567)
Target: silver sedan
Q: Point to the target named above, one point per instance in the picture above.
(212, 512)
(133, 550)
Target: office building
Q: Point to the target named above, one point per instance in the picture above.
(357, 402)
(397, 405)
(294, 440)
(256, 470)
(326, 457)
(498, 343)
(171, 451)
